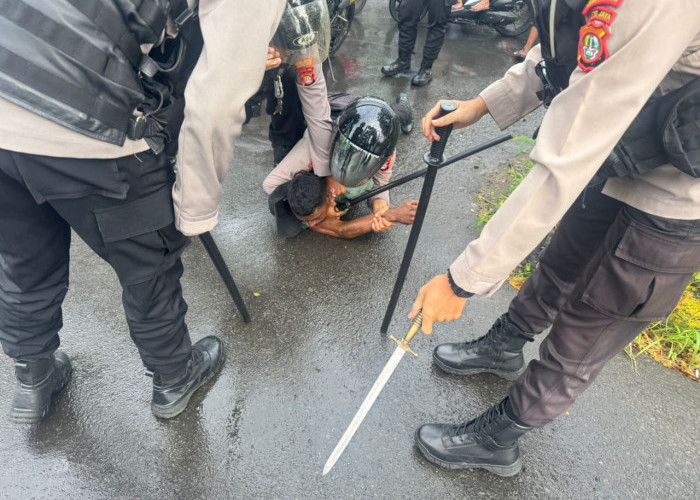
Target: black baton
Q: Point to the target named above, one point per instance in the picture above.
(433, 159)
(221, 267)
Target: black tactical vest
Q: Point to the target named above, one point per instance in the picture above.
(666, 130)
(558, 23)
(79, 63)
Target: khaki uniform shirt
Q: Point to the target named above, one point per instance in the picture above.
(236, 36)
(654, 46)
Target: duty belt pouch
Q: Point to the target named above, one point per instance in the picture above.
(640, 148)
(164, 75)
(679, 127)
(140, 236)
(666, 130)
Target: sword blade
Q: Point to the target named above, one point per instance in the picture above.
(364, 408)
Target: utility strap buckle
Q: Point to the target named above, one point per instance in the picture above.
(549, 90)
(185, 16)
(137, 128)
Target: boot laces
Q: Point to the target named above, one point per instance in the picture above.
(481, 423)
(486, 339)
(197, 355)
(195, 358)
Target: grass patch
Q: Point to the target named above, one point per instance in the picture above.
(674, 342)
(498, 187)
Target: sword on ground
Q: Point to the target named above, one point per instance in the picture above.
(401, 349)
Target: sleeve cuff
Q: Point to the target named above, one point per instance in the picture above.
(459, 292)
(194, 228)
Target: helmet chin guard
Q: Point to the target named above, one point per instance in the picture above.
(368, 131)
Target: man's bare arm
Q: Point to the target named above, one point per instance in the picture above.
(345, 229)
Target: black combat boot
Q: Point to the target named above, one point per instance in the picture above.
(423, 77)
(171, 394)
(489, 442)
(38, 381)
(500, 351)
(404, 111)
(397, 66)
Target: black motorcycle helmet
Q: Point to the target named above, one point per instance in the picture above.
(367, 133)
(303, 31)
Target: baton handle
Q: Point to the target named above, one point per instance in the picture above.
(437, 148)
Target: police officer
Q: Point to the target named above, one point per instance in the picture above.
(88, 119)
(362, 151)
(626, 246)
(313, 150)
(409, 12)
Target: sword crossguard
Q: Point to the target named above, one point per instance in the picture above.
(414, 328)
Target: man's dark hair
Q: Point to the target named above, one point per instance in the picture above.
(306, 193)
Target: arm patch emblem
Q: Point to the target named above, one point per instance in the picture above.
(306, 72)
(594, 35)
(592, 46)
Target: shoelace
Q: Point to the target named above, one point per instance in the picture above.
(486, 339)
(481, 423)
(197, 355)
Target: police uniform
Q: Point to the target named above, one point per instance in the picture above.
(117, 197)
(624, 249)
(621, 257)
(314, 148)
(409, 12)
(287, 121)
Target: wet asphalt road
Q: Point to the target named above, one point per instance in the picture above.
(295, 376)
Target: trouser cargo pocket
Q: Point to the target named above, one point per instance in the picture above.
(140, 236)
(644, 275)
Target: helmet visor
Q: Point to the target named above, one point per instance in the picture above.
(353, 166)
(304, 31)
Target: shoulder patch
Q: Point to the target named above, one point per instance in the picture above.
(594, 35)
(597, 3)
(592, 45)
(603, 14)
(306, 71)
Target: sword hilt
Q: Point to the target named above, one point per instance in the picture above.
(412, 330)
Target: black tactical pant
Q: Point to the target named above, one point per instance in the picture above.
(122, 208)
(609, 270)
(286, 126)
(409, 12)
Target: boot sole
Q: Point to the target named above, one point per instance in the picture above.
(499, 470)
(504, 374)
(174, 410)
(22, 416)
